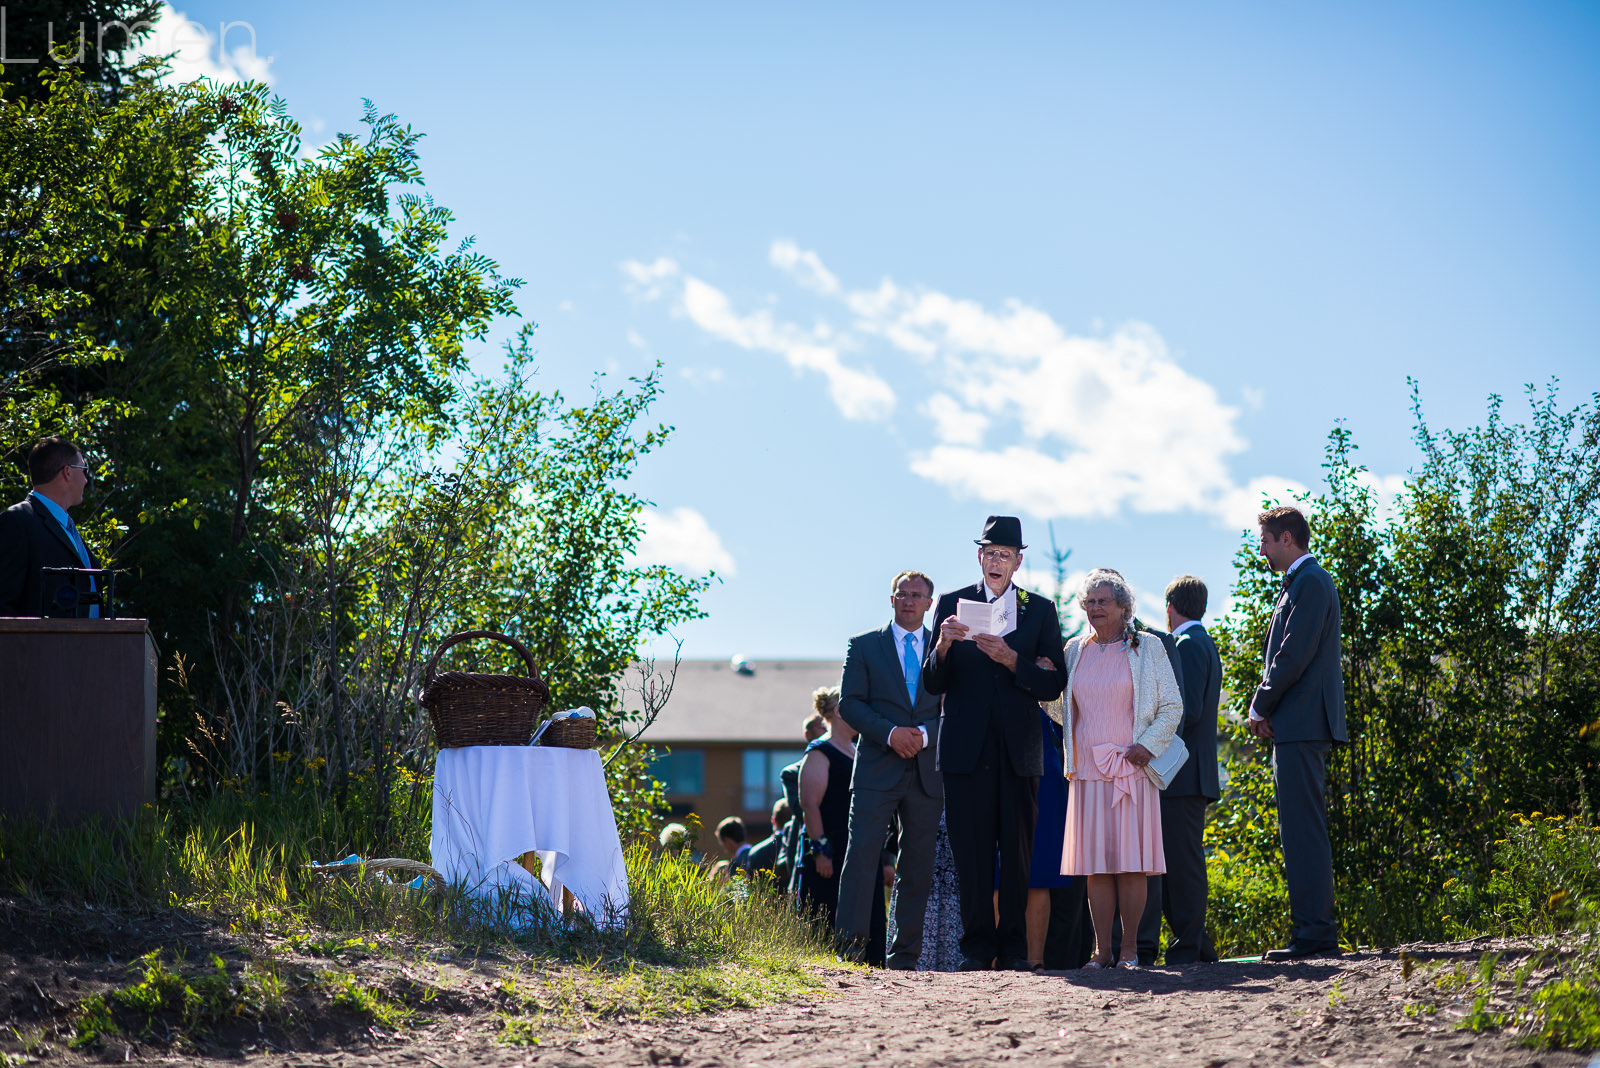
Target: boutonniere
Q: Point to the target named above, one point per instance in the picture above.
(1022, 597)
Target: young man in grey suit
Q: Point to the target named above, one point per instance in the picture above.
(1182, 892)
(895, 773)
(1299, 708)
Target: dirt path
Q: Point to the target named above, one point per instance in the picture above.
(1348, 1013)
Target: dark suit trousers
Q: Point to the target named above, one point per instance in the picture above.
(991, 811)
(1182, 892)
(863, 875)
(1300, 776)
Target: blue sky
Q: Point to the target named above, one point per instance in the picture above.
(1119, 267)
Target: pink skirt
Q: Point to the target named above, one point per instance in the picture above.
(1105, 836)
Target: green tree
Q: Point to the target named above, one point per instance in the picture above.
(93, 39)
(266, 351)
(1470, 645)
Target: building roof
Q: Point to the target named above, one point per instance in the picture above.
(765, 702)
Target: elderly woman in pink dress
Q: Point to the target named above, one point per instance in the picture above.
(1122, 707)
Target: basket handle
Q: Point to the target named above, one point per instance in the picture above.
(467, 635)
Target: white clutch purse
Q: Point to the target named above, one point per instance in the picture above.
(1164, 768)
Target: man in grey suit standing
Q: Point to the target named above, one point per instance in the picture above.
(1299, 708)
(895, 773)
(1182, 892)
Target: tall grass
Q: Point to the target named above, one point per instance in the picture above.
(244, 863)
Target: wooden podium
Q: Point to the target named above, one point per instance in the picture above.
(77, 717)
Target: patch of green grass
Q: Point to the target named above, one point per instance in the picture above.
(1568, 1015)
(184, 1005)
(597, 993)
(348, 992)
(684, 944)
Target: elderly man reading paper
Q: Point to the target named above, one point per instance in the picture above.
(990, 748)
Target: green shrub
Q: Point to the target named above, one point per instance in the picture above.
(1249, 908)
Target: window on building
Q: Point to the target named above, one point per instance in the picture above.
(761, 785)
(683, 770)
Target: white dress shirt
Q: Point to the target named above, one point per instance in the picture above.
(1009, 612)
(1185, 625)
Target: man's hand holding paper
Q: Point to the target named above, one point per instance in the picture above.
(981, 617)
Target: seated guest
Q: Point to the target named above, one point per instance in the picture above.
(765, 854)
(674, 839)
(1122, 708)
(730, 833)
(36, 532)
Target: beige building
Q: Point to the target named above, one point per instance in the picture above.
(728, 729)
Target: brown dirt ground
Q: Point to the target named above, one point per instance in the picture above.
(1243, 1015)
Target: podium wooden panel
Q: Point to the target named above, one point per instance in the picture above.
(77, 717)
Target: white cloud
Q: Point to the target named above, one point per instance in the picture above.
(804, 266)
(700, 377)
(858, 393)
(1239, 507)
(952, 423)
(648, 281)
(1021, 414)
(682, 538)
(227, 56)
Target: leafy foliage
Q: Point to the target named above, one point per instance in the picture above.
(264, 351)
(1470, 655)
(93, 36)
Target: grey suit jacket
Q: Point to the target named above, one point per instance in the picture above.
(873, 699)
(1201, 683)
(1302, 682)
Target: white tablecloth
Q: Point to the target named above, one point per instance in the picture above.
(492, 803)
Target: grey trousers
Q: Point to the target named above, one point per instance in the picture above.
(871, 812)
(1182, 892)
(1300, 777)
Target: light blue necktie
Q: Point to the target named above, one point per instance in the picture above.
(83, 554)
(913, 668)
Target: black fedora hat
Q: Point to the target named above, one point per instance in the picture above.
(1002, 530)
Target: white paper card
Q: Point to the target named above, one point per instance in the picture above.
(981, 617)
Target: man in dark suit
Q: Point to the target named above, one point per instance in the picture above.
(1182, 892)
(36, 532)
(1299, 708)
(990, 746)
(896, 771)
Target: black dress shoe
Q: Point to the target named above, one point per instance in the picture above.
(973, 964)
(1024, 966)
(902, 965)
(1298, 950)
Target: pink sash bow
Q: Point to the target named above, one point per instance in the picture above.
(1112, 761)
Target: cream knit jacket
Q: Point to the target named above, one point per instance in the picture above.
(1157, 701)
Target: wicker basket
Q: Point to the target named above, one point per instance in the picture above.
(577, 733)
(468, 708)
